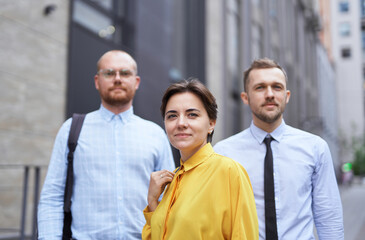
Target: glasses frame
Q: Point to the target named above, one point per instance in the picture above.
(111, 74)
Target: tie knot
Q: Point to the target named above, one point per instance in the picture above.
(268, 140)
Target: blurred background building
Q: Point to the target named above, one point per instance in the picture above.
(348, 62)
(49, 50)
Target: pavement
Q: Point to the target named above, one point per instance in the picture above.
(353, 203)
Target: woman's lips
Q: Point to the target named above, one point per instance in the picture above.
(182, 135)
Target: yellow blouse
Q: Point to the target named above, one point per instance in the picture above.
(210, 197)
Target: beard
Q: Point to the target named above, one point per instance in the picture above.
(266, 117)
(117, 99)
(270, 117)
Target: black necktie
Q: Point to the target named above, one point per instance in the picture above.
(270, 212)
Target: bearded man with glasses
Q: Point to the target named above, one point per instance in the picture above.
(116, 153)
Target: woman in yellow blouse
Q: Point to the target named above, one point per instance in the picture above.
(209, 196)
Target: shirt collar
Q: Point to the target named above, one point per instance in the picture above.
(199, 157)
(260, 134)
(109, 116)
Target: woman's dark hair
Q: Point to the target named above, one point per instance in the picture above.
(192, 85)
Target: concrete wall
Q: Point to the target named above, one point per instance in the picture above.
(33, 54)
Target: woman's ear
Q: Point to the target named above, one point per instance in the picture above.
(211, 126)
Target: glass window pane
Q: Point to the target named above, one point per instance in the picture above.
(344, 6)
(346, 52)
(106, 4)
(344, 29)
(93, 20)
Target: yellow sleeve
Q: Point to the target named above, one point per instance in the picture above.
(146, 232)
(244, 216)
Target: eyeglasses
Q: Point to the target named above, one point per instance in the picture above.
(111, 73)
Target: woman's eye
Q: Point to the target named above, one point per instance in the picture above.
(193, 115)
(170, 116)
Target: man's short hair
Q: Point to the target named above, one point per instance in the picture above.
(261, 63)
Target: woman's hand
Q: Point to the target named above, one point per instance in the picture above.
(158, 182)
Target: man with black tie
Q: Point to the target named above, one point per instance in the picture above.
(291, 171)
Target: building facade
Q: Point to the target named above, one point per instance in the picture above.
(348, 59)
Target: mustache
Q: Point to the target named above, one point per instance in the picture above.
(270, 102)
(117, 85)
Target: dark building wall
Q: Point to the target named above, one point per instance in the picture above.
(155, 47)
(152, 47)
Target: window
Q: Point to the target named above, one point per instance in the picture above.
(344, 6)
(106, 4)
(344, 29)
(346, 52)
(103, 18)
(93, 20)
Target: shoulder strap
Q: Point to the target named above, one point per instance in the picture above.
(76, 125)
(77, 121)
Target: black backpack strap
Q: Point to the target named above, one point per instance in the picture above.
(76, 125)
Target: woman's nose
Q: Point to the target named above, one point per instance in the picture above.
(182, 121)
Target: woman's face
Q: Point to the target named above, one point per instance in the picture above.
(187, 123)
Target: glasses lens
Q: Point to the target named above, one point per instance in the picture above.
(125, 73)
(108, 73)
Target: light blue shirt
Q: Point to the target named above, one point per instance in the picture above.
(306, 190)
(113, 161)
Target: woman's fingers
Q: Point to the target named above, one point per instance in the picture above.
(165, 175)
(158, 181)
